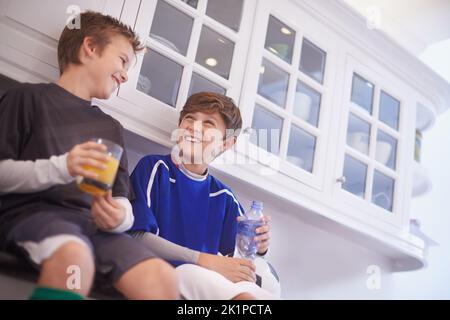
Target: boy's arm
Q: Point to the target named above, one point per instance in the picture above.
(32, 176)
(234, 269)
(166, 249)
(35, 176)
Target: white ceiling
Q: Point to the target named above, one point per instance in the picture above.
(415, 24)
(421, 26)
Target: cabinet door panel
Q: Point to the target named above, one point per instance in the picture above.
(375, 144)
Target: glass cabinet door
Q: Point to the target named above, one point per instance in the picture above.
(313, 60)
(228, 13)
(355, 173)
(173, 27)
(273, 83)
(266, 130)
(191, 46)
(290, 97)
(281, 70)
(370, 170)
(160, 78)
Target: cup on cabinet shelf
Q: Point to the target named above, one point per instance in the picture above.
(359, 141)
(383, 152)
(418, 145)
(303, 105)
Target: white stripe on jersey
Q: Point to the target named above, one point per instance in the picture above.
(229, 193)
(152, 178)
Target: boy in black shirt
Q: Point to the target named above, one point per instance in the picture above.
(45, 130)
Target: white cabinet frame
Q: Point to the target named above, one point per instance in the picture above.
(382, 80)
(167, 116)
(305, 27)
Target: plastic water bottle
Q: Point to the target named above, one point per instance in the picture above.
(245, 243)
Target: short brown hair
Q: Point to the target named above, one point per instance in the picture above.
(210, 102)
(97, 26)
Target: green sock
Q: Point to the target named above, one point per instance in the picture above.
(41, 293)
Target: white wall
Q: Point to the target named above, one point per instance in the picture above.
(315, 264)
(433, 211)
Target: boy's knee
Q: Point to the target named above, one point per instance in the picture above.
(164, 269)
(70, 267)
(166, 275)
(73, 253)
(191, 273)
(150, 279)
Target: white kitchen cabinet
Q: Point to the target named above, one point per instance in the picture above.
(344, 99)
(373, 167)
(355, 56)
(191, 46)
(425, 119)
(288, 93)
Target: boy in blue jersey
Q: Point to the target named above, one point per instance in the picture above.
(177, 199)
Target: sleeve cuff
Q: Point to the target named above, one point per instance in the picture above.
(128, 221)
(61, 164)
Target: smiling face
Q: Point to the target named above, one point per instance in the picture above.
(97, 53)
(108, 69)
(201, 137)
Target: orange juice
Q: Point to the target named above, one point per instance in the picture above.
(105, 179)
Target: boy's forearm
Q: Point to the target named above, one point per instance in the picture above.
(165, 249)
(18, 176)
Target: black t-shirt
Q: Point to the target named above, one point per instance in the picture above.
(38, 121)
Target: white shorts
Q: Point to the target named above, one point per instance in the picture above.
(198, 283)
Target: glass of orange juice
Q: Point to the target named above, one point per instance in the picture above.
(106, 177)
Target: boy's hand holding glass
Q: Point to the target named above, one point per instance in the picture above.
(95, 164)
(90, 154)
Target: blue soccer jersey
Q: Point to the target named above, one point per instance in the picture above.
(198, 213)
